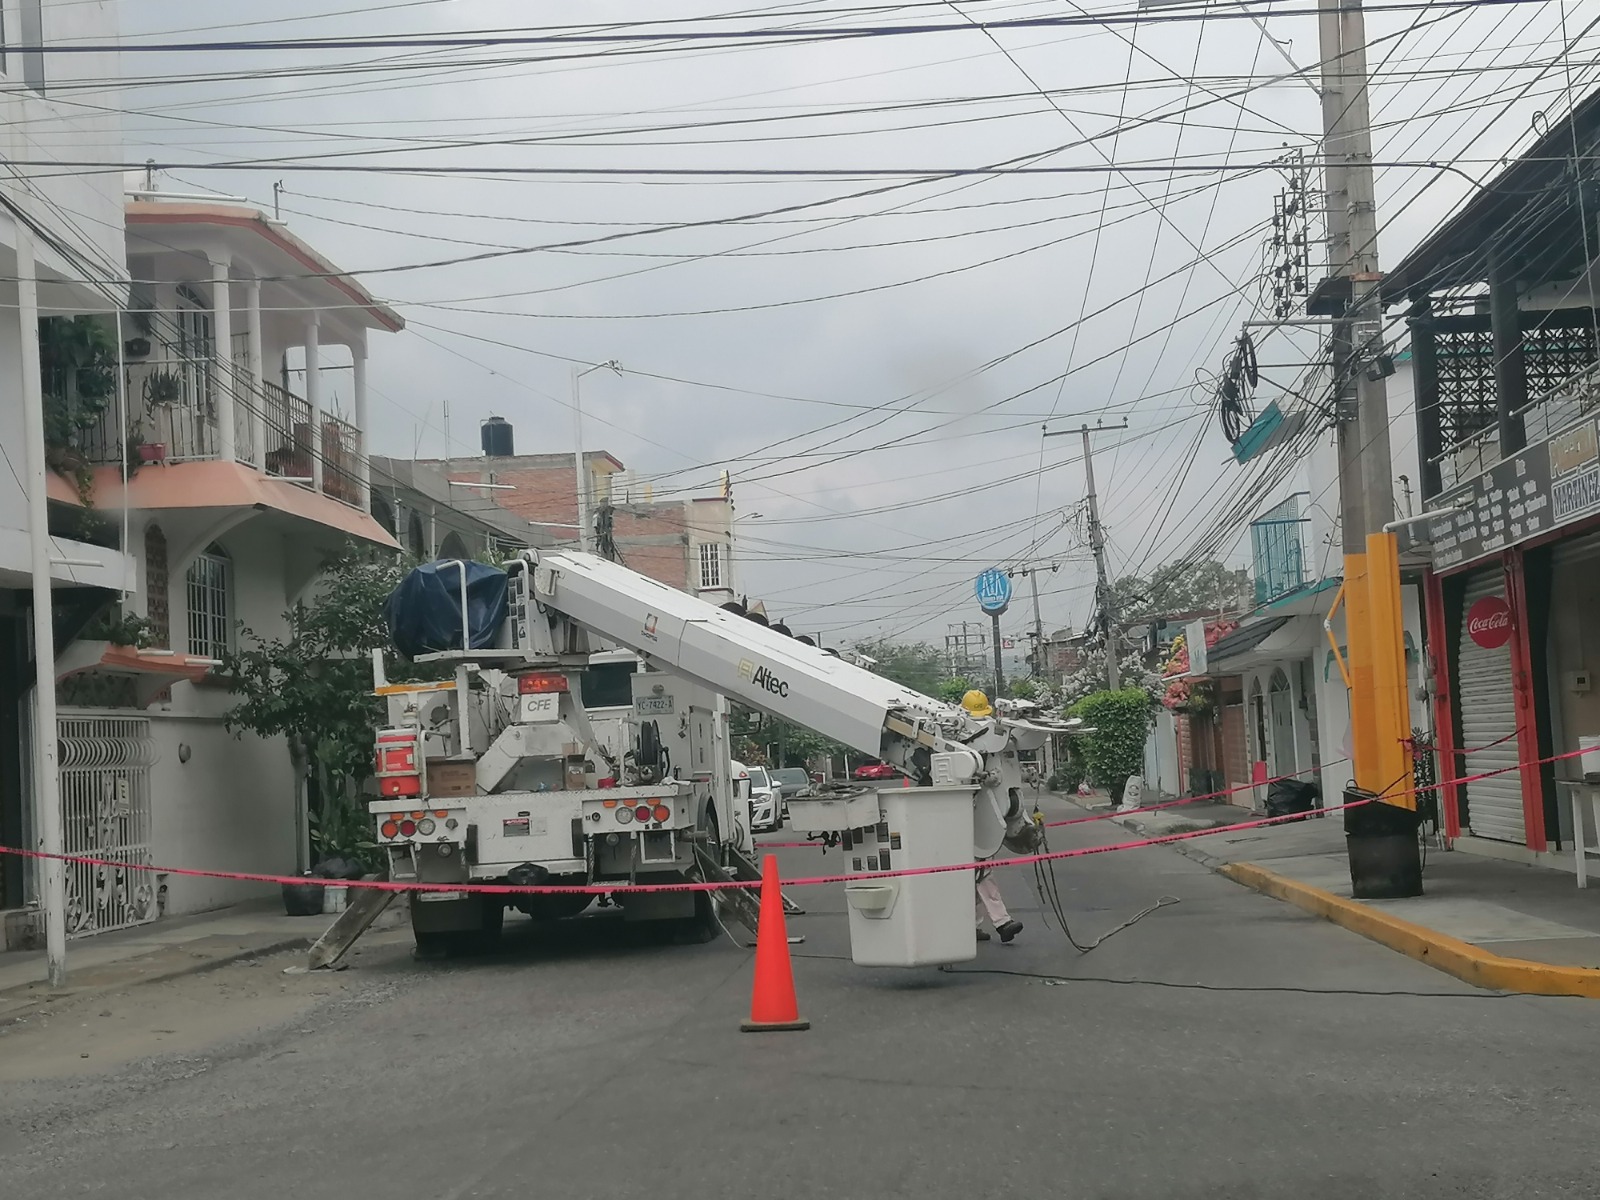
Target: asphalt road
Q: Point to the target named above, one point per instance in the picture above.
(1224, 1047)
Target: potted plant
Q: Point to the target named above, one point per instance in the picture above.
(161, 391)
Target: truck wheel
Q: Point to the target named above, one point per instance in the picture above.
(449, 943)
(432, 945)
(485, 939)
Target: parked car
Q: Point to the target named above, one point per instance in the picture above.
(766, 807)
(790, 781)
(874, 771)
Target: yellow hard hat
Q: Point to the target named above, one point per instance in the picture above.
(976, 704)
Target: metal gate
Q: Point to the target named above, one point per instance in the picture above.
(1489, 723)
(105, 814)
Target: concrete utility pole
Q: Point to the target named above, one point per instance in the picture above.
(46, 770)
(1030, 571)
(584, 530)
(1379, 707)
(1038, 621)
(1097, 543)
(1361, 404)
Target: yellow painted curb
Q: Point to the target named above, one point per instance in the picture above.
(1465, 961)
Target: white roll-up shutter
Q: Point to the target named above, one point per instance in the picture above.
(1489, 715)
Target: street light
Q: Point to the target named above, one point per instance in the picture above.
(577, 433)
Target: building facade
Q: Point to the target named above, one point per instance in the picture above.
(1501, 303)
(231, 466)
(70, 225)
(687, 543)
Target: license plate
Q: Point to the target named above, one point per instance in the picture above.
(435, 897)
(514, 827)
(655, 706)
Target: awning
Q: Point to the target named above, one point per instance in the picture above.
(1267, 642)
(224, 485)
(1241, 641)
(152, 670)
(1312, 598)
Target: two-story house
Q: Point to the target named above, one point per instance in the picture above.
(235, 463)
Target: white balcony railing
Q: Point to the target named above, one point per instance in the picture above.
(173, 403)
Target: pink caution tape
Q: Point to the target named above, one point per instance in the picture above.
(505, 889)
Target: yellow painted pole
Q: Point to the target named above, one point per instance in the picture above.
(1358, 637)
(1391, 707)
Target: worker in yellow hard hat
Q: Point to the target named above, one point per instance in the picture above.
(976, 704)
(989, 901)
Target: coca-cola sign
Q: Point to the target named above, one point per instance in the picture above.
(1489, 622)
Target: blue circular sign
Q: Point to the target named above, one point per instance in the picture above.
(994, 591)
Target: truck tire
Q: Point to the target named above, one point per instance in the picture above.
(485, 939)
(451, 943)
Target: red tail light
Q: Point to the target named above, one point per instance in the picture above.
(661, 812)
(535, 682)
(642, 812)
(388, 829)
(408, 827)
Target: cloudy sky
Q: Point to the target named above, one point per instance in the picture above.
(874, 359)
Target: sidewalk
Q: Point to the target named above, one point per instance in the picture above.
(1494, 923)
(161, 950)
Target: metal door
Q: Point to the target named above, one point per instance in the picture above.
(1235, 755)
(105, 814)
(1488, 724)
(1280, 702)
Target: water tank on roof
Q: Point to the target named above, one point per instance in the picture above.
(498, 440)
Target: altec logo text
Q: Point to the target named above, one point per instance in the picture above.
(763, 678)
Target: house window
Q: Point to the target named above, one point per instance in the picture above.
(210, 581)
(710, 566)
(32, 34)
(196, 349)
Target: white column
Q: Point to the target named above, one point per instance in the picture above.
(258, 393)
(314, 397)
(46, 777)
(222, 378)
(358, 352)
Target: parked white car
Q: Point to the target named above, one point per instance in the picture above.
(755, 786)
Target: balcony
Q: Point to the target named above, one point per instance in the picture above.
(1559, 408)
(1278, 552)
(174, 415)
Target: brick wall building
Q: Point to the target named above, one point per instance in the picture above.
(686, 544)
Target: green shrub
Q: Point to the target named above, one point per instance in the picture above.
(1115, 750)
(1069, 773)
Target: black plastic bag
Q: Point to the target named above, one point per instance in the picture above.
(1286, 797)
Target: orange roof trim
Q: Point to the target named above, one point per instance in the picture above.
(162, 212)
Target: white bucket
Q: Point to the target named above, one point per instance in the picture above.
(334, 897)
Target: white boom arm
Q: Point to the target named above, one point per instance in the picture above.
(782, 677)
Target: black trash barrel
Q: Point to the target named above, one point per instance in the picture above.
(1385, 854)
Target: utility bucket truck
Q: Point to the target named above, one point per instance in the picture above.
(504, 774)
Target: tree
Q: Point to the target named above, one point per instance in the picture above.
(1178, 587)
(955, 687)
(771, 741)
(1091, 676)
(314, 687)
(915, 665)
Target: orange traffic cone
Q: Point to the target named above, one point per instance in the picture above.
(773, 1005)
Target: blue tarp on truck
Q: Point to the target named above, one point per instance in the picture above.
(424, 613)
